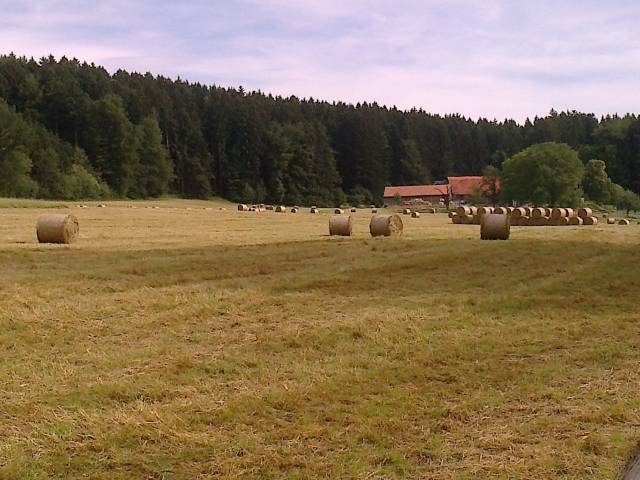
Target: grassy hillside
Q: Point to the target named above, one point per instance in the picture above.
(186, 343)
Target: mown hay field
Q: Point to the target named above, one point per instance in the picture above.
(183, 343)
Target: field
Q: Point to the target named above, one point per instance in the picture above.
(187, 342)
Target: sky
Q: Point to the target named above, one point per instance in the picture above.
(490, 58)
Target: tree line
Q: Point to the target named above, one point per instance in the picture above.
(71, 130)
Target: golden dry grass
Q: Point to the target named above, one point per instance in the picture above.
(186, 343)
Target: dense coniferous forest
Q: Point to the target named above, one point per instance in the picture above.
(71, 130)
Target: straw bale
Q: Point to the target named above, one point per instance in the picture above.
(538, 212)
(341, 225)
(495, 227)
(386, 225)
(518, 212)
(57, 228)
(585, 212)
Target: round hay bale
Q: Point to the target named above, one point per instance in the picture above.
(539, 221)
(456, 219)
(563, 221)
(314, 210)
(537, 212)
(495, 227)
(501, 211)
(510, 210)
(590, 221)
(576, 221)
(476, 219)
(374, 210)
(623, 221)
(57, 228)
(269, 207)
(386, 226)
(372, 207)
(451, 214)
(464, 210)
(548, 211)
(611, 220)
(243, 208)
(466, 219)
(338, 211)
(558, 213)
(585, 212)
(485, 210)
(353, 210)
(569, 212)
(406, 211)
(415, 214)
(527, 211)
(524, 221)
(281, 209)
(341, 225)
(518, 212)
(295, 210)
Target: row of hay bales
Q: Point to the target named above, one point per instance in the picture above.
(526, 216)
(622, 221)
(416, 213)
(242, 207)
(379, 226)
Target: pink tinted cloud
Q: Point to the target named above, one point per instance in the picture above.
(493, 59)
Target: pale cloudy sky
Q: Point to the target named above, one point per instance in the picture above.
(491, 58)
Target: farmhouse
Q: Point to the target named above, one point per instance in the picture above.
(456, 189)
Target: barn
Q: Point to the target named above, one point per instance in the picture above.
(432, 194)
(455, 189)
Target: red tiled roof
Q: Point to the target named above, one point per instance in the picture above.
(465, 185)
(417, 191)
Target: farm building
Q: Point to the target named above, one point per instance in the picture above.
(461, 188)
(456, 189)
(416, 194)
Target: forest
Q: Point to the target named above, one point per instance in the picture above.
(72, 130)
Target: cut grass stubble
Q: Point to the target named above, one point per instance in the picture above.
(224, 344)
